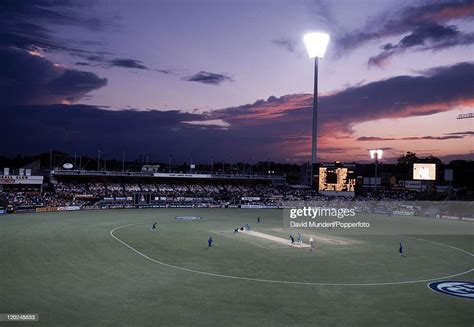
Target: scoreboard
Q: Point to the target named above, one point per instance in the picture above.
(337, 179)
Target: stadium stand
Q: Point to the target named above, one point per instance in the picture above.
(89, 189)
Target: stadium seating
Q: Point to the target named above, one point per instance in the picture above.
(102, 193)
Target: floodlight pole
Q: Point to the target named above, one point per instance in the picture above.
(315, 124)
(376, 164)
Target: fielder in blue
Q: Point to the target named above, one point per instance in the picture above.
(209, 242)
(400, 249)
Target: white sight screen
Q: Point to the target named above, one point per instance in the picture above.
(424, 171)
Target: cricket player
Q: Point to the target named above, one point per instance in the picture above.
(209, 242)
(400, 249)
(154, 226)
(292, 239)
(311, 243)
(258, 220)
(300, 238)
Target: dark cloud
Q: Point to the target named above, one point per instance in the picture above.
(95, 57)
(87, 129)
(285, 43)
(388, 46)
(165, 71)
(446, 136)
(104, 62)
(286, 119)
(31, 79)
(427, 112)
(428, 37)
(434, 32)
(406, 20)
(375, 138)
(410, 138)
(127, 63)
(279, 127)
(466, 133)
(436, 90)
(28, 24)
(440, 138)
(209, 78)
(32, 25)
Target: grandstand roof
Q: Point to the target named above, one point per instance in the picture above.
(93, 173)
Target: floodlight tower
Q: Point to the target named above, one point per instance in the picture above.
(316, 44)
(376, 155)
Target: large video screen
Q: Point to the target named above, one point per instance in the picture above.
(336, 179)
(424, 171)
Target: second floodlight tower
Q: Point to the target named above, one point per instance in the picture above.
(316, 44)
(376, 155)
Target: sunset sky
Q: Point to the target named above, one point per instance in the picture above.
(231, 78)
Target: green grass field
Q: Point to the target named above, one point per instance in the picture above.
(72, 271)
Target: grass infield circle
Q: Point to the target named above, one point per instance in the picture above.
(290, 282)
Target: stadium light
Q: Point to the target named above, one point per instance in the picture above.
(376, 154)
(316, 44)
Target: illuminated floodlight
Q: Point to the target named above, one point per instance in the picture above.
(376, 154)
(316, 44)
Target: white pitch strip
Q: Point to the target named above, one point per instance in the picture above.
(276, 239)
